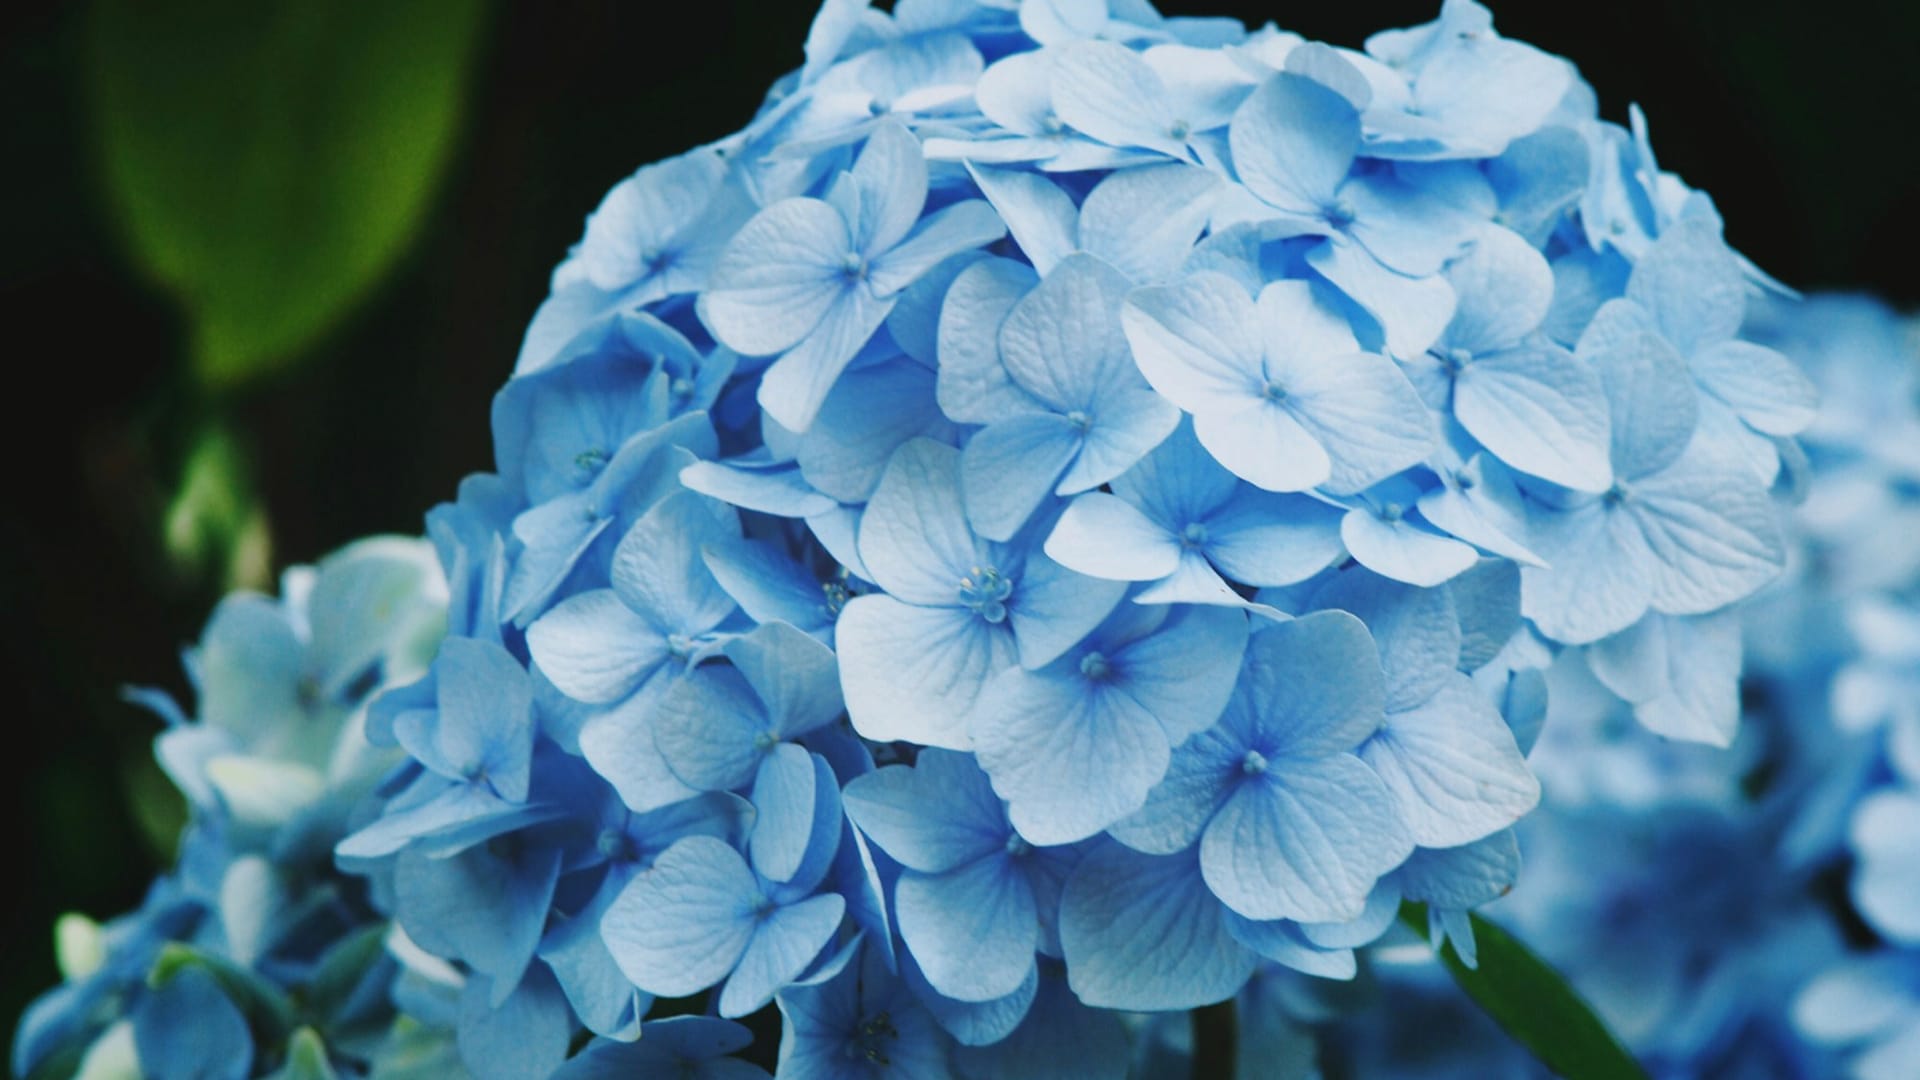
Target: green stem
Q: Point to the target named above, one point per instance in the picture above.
(1216, 1037)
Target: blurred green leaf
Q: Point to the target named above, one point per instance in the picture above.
(306, 1058)
(159, 810)
(1533, 1003)
(216, 521)
(269, 162)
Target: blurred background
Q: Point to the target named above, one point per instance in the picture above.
(263, 267)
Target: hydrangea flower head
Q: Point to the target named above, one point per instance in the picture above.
(1067, 511)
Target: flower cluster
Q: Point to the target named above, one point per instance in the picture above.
(1070, 513)
(255, 953)
(1755, 912)
(1065, 510)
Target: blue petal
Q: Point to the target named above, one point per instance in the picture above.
(1052, 608)
(1311, 686)
(525, 1033)
(782, 945)
(595, 648)
(793, 389)
(1411, 312)
(1651, 405)
(599, 994)
(973, 929)
(620, 746)
(658, 570)
(1141, 932)
(1713, 532)
(913, 673)
(1702, 675)
(1293, 142)
(1041, 216)
(1144, 221)
(1505, 288)
(1765, 388)
(1101, 536)
(485, 722)
(1691, 285)
(1596, 581)
(1069, 756)
(770, 586)
(940, 814)
(705, 728)
(1543, 412)
(798, 816)
(780, 274)
(189, 1027)
(1283, 943)
(1010, 467)
(871, 412)
(1178, 808)
(1197, 342)
(1416, 631)
(682, 924)
(1461, 878)
(1062, 342)
(974, 386)
(1452, 766)
(1303, 841)
(1261, 539)
(486, 908)
(914, 537)
(1106, 91)
(794, 674)
(963, 226)
(971, 1023)
(1398, 548)
(890, 176)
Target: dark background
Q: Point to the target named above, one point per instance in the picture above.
(1797, 118)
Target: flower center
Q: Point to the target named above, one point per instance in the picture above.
(1273, 391)
(1254, 764)
(1080, 420)
(1194, 535)
(1095, 667)
(1017, 846)
(872, 1038)
(1180, 130)
(1339, 213)
(615, 846)
(1392, 512)
(590, 462)
(853, 266)
(986, 592)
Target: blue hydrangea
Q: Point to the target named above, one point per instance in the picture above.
(1068, 512)
(255, 951)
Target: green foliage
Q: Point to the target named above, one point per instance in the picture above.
(216, 522)
(1534, 1004)
(269, 162)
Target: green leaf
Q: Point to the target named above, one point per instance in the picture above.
(306, 1058)
(1533, 1003)
(265, 1006)
(216, 522)
(269, 162)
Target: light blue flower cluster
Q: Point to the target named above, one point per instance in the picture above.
(255, 954)
(1745, 913)
(1066, 510)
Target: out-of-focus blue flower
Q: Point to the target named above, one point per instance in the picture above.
(254, 949)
